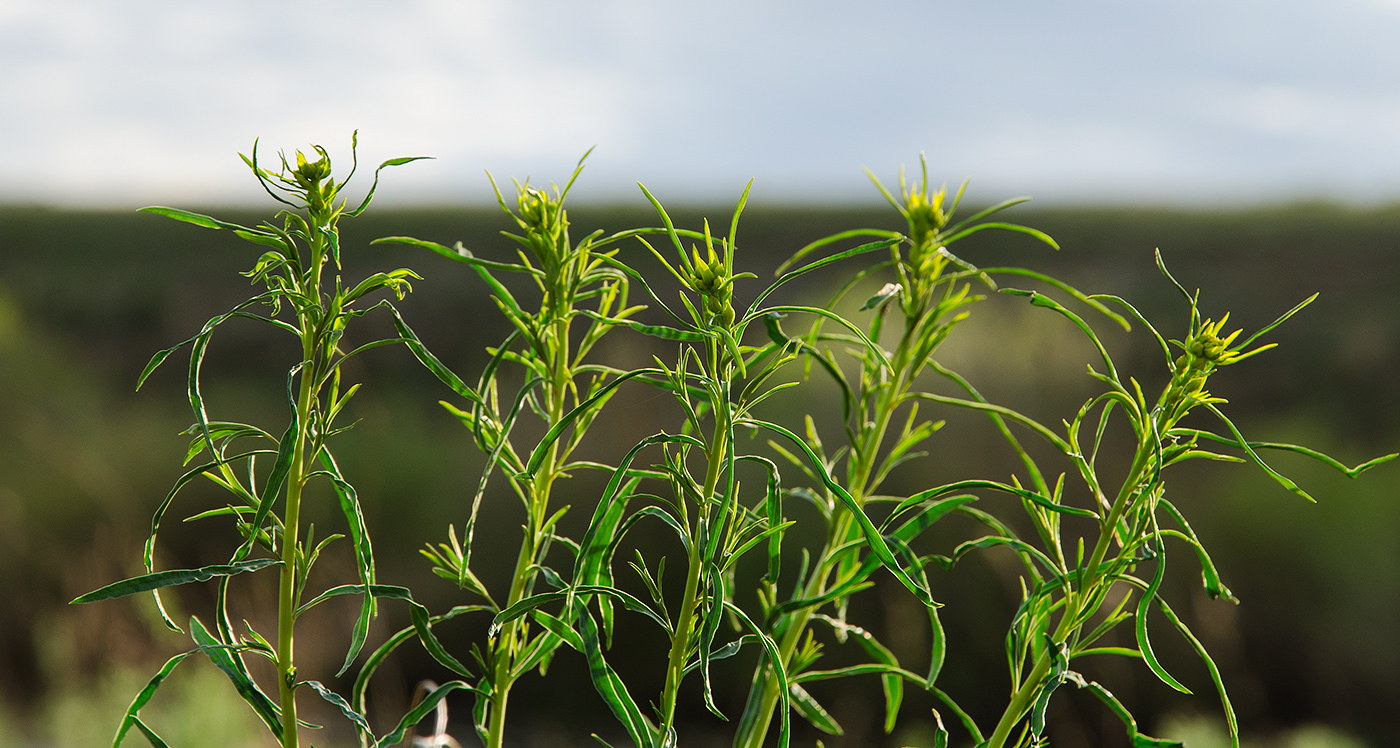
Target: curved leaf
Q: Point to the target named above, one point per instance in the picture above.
(147, 582)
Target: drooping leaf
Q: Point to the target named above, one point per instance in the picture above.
(813, 712)
(147, 582)
(417, 713)
(337, 701)
(611, 687)
(130, 718)
(237, 674)
(1144, 642)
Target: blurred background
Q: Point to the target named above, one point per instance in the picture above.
(1257, 145)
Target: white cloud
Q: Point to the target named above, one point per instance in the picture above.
(147, 100)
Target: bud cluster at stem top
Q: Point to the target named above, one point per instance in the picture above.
(310, 180)
(924, 212)
(1204, 350)
(709, 277)
(546, 225)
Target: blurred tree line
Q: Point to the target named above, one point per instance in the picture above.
(87, 297)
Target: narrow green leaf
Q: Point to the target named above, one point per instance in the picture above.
(1041, 235)
(889, 291)
(991, 541)
(460, 254)
(426, 357)
(611, 688)
(889, 237)
(374, 185)
(1000, 410)
(714, 598)
(156, 741)
(557, 627)
(199, 219)
(1215, 678)
(147, 582)
(130, 719)
(963, 717)
(364, 554)
(1350, 472)
(1103, 694)
(938, 640)
(813, 712)
(866, 669)
(1041, 300)
(818, 311)
(784, 277)
(335, 700)
(281, 466)
(1140, 623)
(629, 601)
(1282, 318)
(778, 669)
(232, 667)
(891, 684)
(656, 331)
(156, 361)
(1210, 577)
(979, 215)
(417, 713)
(542, 449)
(377, 657)
(1278, 477)
(1048, 687)
(607, 516)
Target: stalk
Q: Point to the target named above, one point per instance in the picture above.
(287, 593)
(529, 545)
(685, 617)
(287, 597)
(290, 265)
(757, 730)
(1026, 694)
(680, 642)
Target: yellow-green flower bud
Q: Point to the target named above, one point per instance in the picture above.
(709, 278)
(925, 214)
(309, 173)
(1206, 346)
(534, 207)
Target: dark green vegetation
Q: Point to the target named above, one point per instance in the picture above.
(88, 297)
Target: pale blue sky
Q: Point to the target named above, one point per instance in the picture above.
(121, 104)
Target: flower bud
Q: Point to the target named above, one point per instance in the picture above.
(926, 216)
(309, 173)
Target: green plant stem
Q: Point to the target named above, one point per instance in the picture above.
(502, 680)
(888, 400)
(1074, 613)
(291, 532)
(296, 478)
(680, 640)
(540, 490)
(695, 560)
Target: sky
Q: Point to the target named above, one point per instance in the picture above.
(1191, 102)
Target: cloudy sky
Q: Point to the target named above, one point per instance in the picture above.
(120, 104)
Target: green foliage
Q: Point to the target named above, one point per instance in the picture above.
(265, 505)
(717, 486)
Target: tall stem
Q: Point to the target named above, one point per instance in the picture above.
(753, 732)
(291, 534)
(540, 489)
(1023, 697)
(296, 477)
(695, 561)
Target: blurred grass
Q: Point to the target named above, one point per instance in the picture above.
(85, 298)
